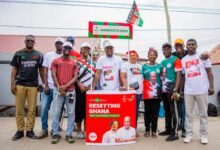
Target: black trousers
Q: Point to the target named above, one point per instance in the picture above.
(80, 108)
(170, 114)
(151, 108)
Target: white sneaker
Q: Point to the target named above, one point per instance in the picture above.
(80, 135)
(204, 140)
(187, 139)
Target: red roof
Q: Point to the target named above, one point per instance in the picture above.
(215, 55)
(13, 43)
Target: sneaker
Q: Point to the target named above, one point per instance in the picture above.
(80, 135)
(31, 135)
(43, 134)
(204, 140)
(18, 135)
(183, 134)
(172, 138)
(164, 133)
(187, 139)
(55, 139)
(70, 139)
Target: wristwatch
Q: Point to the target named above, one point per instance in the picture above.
(174, 90)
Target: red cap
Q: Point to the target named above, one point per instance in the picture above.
(132, 52)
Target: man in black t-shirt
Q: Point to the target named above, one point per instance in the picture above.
(24, 82)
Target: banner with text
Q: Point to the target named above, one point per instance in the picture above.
(110, 30)
(110, 117)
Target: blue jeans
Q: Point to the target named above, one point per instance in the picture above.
(45, 107)
(138, 100)
(181, 111)
(57, 106)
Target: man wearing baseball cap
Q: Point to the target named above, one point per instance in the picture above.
(86, 74)
(180, 53)
(170, 87)
(108, 69)
(47, 94)
(179, 47)
(74, 54)
(64, 73)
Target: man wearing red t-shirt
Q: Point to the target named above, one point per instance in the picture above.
(64, 73)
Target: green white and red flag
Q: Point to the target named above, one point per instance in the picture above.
(134, 16)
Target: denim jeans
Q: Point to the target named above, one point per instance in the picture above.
(138, 100)
(45, 107)
(181, 109)
(57, 106)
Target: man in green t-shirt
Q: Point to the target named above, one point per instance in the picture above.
(171, 77)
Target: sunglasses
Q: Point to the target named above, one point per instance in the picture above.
(30, 41)
(67, 48)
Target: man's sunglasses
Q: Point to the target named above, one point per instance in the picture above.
(30, 41)
(67, 48)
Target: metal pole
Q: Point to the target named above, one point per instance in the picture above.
(167, 21)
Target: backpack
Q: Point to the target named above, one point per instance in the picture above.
(212, 110)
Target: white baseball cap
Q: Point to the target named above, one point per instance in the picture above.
(85, 44)
(68, 44)
(59, 39)
(108, 44)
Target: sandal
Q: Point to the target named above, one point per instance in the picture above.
(154, 135)
(147, 134)
(137, 134)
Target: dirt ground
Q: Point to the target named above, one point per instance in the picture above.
(8, 128)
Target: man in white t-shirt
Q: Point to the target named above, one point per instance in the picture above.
(198, 85)
(108, 69)
(47, 94)
(127, 133)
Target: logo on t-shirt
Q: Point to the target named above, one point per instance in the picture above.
(108, 73)
(135, 71)
(192, 68)
(168, 65)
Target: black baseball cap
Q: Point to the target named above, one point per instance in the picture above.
(166, 45)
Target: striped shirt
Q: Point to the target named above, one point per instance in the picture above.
(84, 71)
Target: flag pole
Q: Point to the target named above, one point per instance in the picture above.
(128, 64)
(91, 68)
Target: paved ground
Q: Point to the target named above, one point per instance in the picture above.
(8, 129)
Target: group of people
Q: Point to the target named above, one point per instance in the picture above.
(181, 79)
